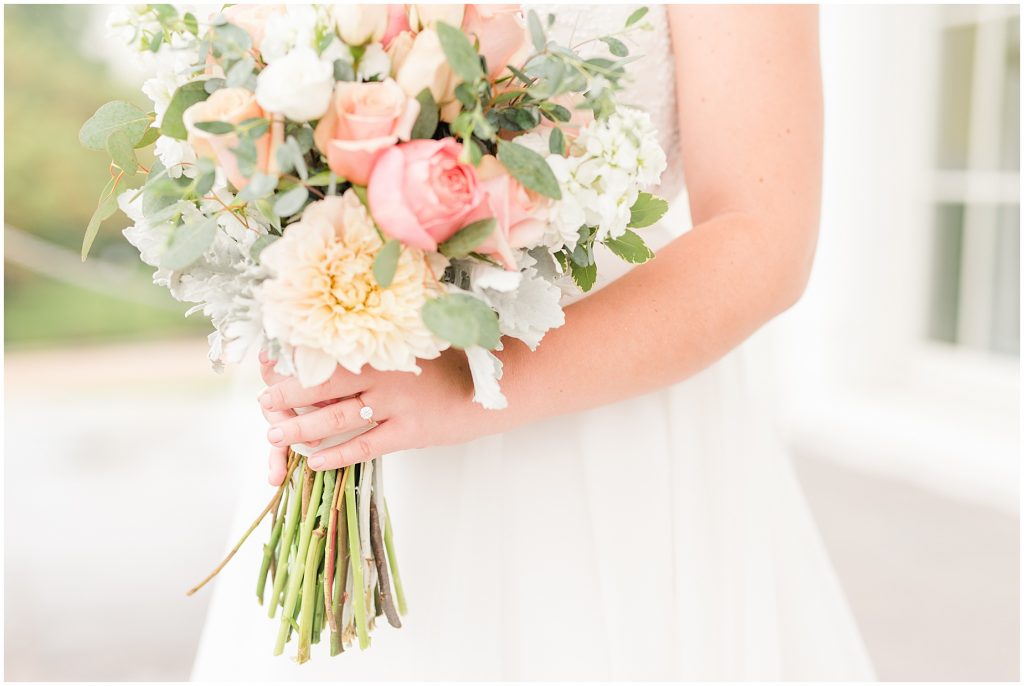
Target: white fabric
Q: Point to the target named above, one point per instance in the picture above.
(663, 537)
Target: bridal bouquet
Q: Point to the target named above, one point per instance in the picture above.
(370, 185)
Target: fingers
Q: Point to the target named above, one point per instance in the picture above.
(289, 393)
(318, 424)
(383, 438)
(277, 465)
(270, 376)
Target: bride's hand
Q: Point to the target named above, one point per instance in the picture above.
(411, 411)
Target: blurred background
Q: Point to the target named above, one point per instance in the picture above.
(897, 376)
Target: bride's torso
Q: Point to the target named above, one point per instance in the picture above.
(651, 87)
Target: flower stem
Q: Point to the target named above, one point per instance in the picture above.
(291, 525)
(270, 549)
(382, 567)
(389, 543)
(270, 506)
(310, 599)
(341, 572)
(295, 569)
(356, 560)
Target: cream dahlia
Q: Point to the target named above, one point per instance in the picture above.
(323, 302)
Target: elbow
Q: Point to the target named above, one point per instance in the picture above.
(793, 283)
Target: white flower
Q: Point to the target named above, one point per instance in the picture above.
(295, 29)
(360, 24)
(325, 304)
(149, 238)
(178, 157)
(486, 370)
(298, 85)
(374, 63)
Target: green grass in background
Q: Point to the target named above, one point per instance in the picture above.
(51, 183)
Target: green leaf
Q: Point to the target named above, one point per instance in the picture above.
(529, 168)
(462, 320)
(536, 31)
(191, 24)
(122, 150)
(113, 116)
(636, 16)
(646, 210)
(462, 57)
(426, 120)
(615, 46)
(630, 247)
(471, 152)
(217, 128)
(230, 40)
(468, 238)
(320, 178)
(148, 138)
(188, 243)
(343, 71)
(259, 244)
(259, 186)
(291, 202)
(585, 277)
(386, 263)
(556, 144)
(187, 95)
(239, 74)
(105, 208)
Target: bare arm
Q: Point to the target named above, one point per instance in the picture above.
(750, 112)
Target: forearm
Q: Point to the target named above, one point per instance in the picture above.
(661, 323)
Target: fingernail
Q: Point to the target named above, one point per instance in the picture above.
(265, 401)
(316, 462)
(275, 435)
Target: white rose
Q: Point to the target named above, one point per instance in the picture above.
(360, 24)
(374, 63)
(286, 32)
(297, 85)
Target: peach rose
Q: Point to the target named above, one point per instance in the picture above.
(362, 121)
(520, 214)
(423, 65)
(252, 19)
(502, 35)
(231, 105)
(421, 193)
(426, 16)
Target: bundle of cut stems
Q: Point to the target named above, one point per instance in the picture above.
(330, 560)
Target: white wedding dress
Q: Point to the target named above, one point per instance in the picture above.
(663, 537)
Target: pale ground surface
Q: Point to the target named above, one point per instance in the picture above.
(117, 499)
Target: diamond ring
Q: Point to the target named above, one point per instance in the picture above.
(365, 412)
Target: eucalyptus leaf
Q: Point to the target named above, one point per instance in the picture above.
(630, 247)
(556, 143)
(468, 238)
(187, 95)
(529, 168)
(188, 243)
(105, 208)
(114, 116)
(536, 31)
(646, 210)
(462, 320)
(291, 202)
(259, 244)
(148, 138)
(322, 178)
(615, 46)
(636, 16)
(217, 128)
(386, 263)
(426, 120)
(462, 57)
(122, 150)
(240, 72)
(259, 186)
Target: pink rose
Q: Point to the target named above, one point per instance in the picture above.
(397, 23)
(502, 36)
(421, 193)
(253, 19)
(520, 214)
(232, 105)
(362, 121)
